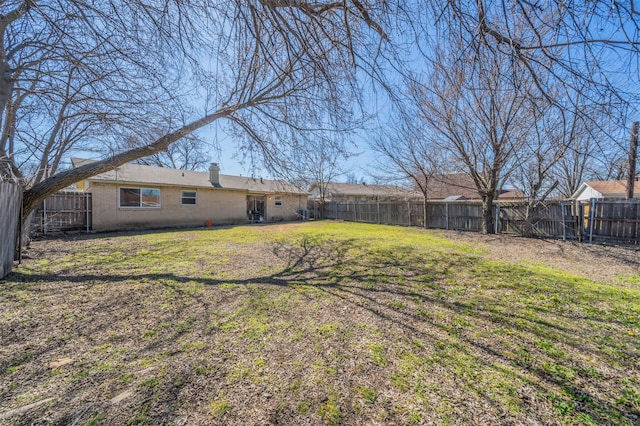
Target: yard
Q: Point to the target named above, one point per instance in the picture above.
(320, 323)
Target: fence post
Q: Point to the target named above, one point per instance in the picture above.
(564, 226)
(496, 227)
(378, 211)
(591, 218)
(446, 215)
(409, 211)
(44, 216)
(20, 232)
(336, 209)
(86, 207)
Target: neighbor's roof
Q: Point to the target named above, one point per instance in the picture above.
(511, 193)
(135, 174)
(452, 186)
(612, 188)
(461, 186)
(335, 189)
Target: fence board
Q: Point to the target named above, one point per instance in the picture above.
(10, 203)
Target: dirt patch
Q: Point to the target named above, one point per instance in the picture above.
(594, 261)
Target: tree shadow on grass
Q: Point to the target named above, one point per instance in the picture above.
(403, 287)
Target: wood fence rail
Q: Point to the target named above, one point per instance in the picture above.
(611, 221)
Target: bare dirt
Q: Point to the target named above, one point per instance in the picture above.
(594, 261)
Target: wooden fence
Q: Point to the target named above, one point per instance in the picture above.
(614, 221)
(10, 208)
(62, 211)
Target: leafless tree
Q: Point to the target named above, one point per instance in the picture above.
(489, 62)
(592, 151)
(318, 162)
(408, 153)
(476, 111)
(188, 153)
(589, 48)
(264, 66)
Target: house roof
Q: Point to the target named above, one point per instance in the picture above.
(452, 186)
(458, 186)
(515, 194)
(612, 188)
(334, 189)
(135, 174)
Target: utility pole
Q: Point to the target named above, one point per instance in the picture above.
(633, 158)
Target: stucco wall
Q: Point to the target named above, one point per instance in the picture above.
(219, 206)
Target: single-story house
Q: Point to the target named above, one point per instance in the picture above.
(605, 189)
(362, 192)
(135, 196)
(460, 186)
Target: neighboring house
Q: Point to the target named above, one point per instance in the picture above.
(362, 192)
(136, 196)
(604, 189)
(460, 186)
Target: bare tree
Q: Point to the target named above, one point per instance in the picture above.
(409, 154)
(475, 108)
(265, 66)
(188, 153)
(319, 162)
(582, 47)
(592, 151)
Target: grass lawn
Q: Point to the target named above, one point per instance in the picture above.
(311, 323)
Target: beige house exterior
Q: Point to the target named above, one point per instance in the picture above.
(135, 196)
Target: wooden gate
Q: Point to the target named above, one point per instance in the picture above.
(63, 211)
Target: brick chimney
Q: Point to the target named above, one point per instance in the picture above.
(214, 174)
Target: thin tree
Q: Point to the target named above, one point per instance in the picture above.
(319, 162)
(408, 154)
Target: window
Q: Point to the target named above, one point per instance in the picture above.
(278, 200)
(188, 198)
(140, 197)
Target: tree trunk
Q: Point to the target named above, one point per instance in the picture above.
(41, 190)
(424, 212)
(486, 225)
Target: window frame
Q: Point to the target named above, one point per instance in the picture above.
(182, 197)
(140, 190)
(277, 200)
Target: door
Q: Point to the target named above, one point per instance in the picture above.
(256, 208)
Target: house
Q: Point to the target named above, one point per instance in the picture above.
(604, 189)
(362, 192)
(460, 186)
(135, 196)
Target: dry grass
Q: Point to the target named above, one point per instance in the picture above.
(316, 323)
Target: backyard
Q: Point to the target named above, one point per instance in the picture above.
(320, 323)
